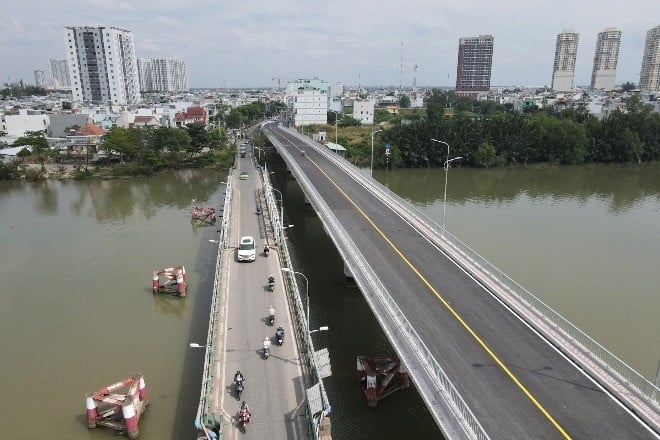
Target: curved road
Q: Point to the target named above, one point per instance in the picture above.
(517, 384)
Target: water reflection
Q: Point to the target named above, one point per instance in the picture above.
(170, 304)
(623, 186)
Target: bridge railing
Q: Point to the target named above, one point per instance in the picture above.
(410, 346)
(303, 335)
(206, 414)
(599, 358)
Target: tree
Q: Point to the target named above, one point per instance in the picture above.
(41, 152)
(485, 156)
(119, 140)
(404, 101)
(349, 121)
(628, 86)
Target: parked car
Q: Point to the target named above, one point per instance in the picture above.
(247, 250)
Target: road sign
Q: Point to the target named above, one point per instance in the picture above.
(387, 149)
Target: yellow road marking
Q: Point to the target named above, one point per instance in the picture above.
(450, 308)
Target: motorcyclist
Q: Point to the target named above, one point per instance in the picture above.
(238, 377)
(244, 414)
(266, 248)
(279, 332)
(271, 279)
(266, 344)
(271, 312)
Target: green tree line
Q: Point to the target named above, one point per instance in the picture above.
(247, 114)
(489, 134)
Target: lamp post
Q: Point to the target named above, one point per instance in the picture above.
(371, 168)
(336, 119)
(446, 166)
(286, 269)
(254, 146)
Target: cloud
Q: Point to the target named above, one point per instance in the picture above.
(247, 43)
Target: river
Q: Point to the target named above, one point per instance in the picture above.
(77, 312)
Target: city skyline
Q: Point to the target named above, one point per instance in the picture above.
(246, 45)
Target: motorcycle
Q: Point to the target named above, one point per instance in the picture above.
(279, 334)
(239, 388)
(266, 250)
(271, 284)
(243, 417)
(266, 348)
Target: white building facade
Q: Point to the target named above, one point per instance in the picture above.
(39, 78)
(564, 65)
(163, 75)
(59, 70)
(363, 111)
(102, 64)
(649, 77)
(603, 74)
(310, 106)
(26, 120)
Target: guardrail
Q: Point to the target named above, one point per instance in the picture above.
(298, 310)
(523, 301)
(205, 414)
(403, 336)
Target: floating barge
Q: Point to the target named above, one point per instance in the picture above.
(173, 281)
(121, 412)
(201, 214)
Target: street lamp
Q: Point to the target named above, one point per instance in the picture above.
(286, 269)
(336, 119)
(446, 166)
(254, 146)
(325, 328)
(371, 168)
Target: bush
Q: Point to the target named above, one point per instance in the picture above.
(34, 174)
(9, 171)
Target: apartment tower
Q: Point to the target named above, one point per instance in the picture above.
(163, 75)
(475, 60)
(102, 64)
(606, 58)
(649, 77)
(60, 72)
(564, 66)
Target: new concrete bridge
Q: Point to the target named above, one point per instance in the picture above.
(489, 359)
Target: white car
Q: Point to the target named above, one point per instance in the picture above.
(247, 250)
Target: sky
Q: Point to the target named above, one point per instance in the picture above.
(370, 43)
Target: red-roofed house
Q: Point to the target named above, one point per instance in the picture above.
(145, 121)
(192, 115)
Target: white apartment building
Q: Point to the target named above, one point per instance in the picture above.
(26, 120)
(102, 64)
(603, 75)
(163, 75)
(310, 106)
(649, 77)
(363, 111)
(564, 65)
(39, 78)
(59, 70)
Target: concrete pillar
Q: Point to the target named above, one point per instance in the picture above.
(130, 418)
(92, 412)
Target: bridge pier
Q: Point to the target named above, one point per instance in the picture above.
(382, 377)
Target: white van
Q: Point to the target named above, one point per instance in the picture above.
(247, 250)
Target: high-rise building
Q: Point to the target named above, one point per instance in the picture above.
(163, 75)
(649, 77)
(564, 66)
(606, 58)
(60, 72)
(102, 64)
(39, 78)
(475, 60)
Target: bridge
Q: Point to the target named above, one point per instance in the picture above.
(488, 358)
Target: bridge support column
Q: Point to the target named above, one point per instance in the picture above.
(361, 374)
(349, 281)
(372, 395)
(403, 376)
